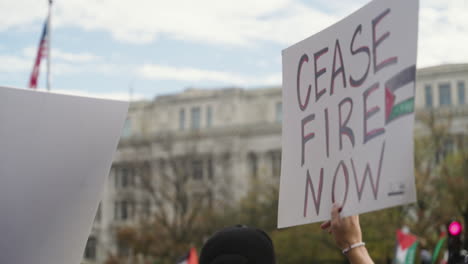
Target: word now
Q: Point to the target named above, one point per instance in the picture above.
(342, 167)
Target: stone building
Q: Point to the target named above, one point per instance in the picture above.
(441, 91)
(236, 134)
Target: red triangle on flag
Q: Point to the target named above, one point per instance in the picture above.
(193, 257)
(405, 240)
(389, 101)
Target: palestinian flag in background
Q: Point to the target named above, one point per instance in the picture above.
(440, 244)
(190, 258)
(406, 248)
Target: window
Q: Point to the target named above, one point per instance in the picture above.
(210, 168)
(444, 94)
(116, 210)
(127, 129)
(275, 157)
(197, 169)
(195, 118)
(461, 93)
(182, 119)
(279, 112)
(210, 199)
(123, 210)
(428, 95)
(146, 208)
(209, 116)
(117, 178)
(125, 177)
(123, 250)
(198, 197)
(90, 249)
(448, 148)
(253, 164)
(162, 166)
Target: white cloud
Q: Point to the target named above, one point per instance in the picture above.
(442, 38)
(21, 12)
(159, 72)
(206, 21)
(112, 95)
(62, 63)
(57, 54)
(272, 79)
(73, 57)
(12, 64)
(296, 23)
(66, 64)
(443, 32)
(64, 68)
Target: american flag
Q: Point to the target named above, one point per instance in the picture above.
(41, 53)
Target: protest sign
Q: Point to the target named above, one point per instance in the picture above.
(348, 113)
(55, 154)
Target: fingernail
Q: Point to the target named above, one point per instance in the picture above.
(341, 209)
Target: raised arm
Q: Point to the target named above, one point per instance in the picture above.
(348, 237)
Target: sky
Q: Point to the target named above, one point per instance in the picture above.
(143, 48)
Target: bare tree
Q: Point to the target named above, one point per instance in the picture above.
(183, 192)
(453, 183)
(440, 176)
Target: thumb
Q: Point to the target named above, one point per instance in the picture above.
(335, 213)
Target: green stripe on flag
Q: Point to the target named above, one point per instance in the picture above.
(410, 255)
(403, 108)
(437, 249)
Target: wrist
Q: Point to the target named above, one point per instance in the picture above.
(358, 255)
(348, 243)
(353, 246)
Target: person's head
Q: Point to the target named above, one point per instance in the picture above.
(238, 245)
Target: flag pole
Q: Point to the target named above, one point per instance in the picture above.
(49, 42)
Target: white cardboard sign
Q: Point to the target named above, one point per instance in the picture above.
(348, 103)
(55, 154)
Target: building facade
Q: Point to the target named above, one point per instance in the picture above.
(236, 134)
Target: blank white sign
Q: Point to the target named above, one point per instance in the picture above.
(55, 154)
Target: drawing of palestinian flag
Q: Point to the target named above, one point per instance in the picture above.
(406, 248)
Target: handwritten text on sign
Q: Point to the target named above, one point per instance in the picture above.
(348, 97)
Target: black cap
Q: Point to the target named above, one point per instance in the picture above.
(238, 245)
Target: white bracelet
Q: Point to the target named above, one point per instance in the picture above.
(360, 244)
